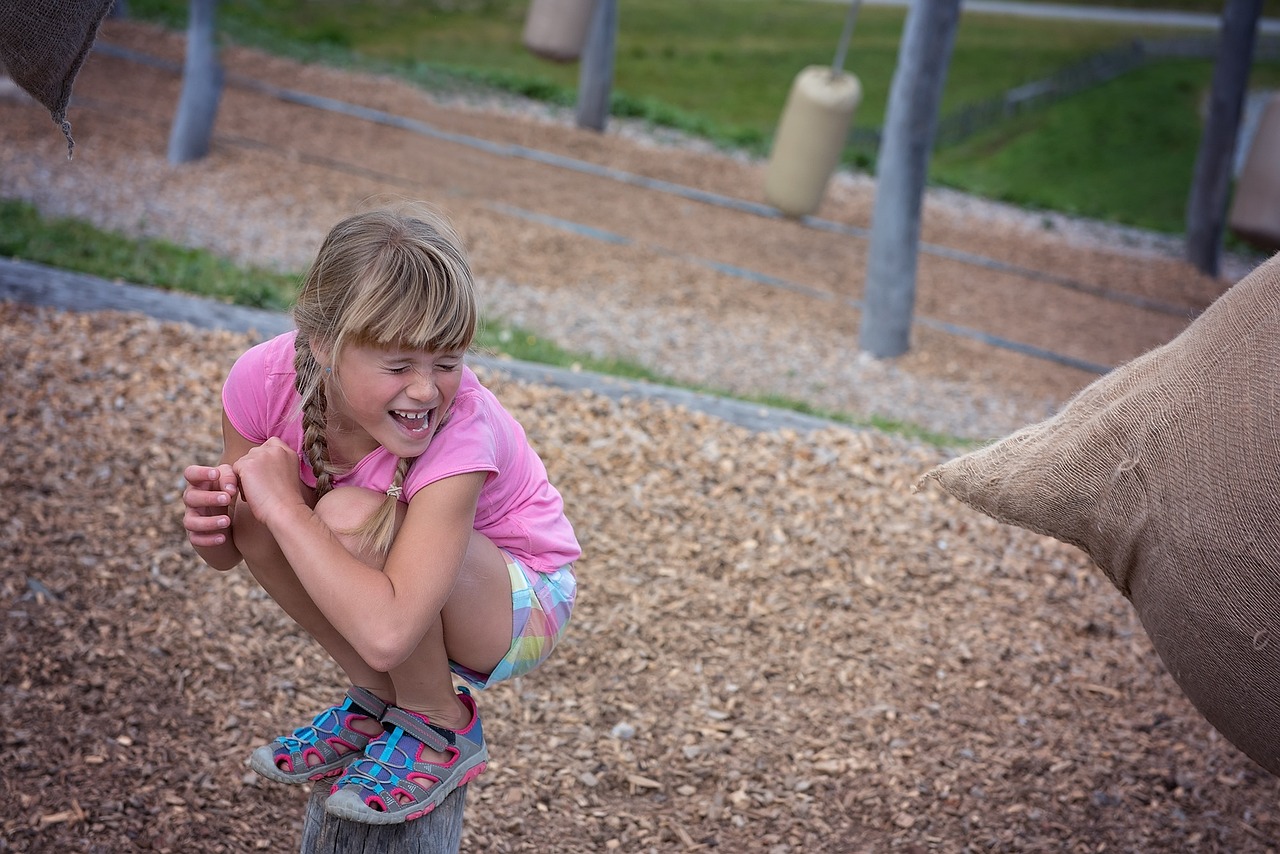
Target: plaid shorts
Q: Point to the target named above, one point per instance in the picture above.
(540, 607)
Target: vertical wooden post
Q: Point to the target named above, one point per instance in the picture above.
(192, 130)
(1211, 181)
(438, 832)
(595, 75)
(905, 147)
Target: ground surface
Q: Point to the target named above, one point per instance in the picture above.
(779, 645)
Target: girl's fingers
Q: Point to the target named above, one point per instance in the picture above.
(201, 476)
(227, 480)
(207, 540)
(207, 531)
(209, 487)
(200, 523)
(208, 497)
(202, 497)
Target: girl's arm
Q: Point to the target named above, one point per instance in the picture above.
(210, 499)
(383, 613)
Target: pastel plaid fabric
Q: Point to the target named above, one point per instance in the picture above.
(541, 603)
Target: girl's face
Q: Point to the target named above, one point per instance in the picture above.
(389, 396)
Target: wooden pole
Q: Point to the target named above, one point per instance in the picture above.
(1211, 181)
(595, 75)
(437, 832)
(902, 168)
(192, 130)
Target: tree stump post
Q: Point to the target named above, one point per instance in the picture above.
(438, 832)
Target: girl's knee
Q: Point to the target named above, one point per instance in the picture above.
(347, 507)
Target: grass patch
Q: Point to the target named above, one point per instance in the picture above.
(724, 65)
(78, 246)
(1095, 138)
(1123, 152)
(75, 245)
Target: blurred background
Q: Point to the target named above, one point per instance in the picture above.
(1117, 105)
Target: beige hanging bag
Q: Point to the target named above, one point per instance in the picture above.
(1166, 471)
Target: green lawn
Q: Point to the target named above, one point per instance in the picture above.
(75, 245)
(722, 69)
(1080, 157)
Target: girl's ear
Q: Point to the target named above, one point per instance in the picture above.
(323, 353)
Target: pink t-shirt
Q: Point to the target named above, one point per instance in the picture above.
(518, 508)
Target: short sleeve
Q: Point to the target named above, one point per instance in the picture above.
(258, 392)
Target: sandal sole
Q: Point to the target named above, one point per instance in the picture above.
(263, 762)
(346, 803)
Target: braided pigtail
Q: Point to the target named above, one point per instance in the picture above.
(311, 389)
(378, 531)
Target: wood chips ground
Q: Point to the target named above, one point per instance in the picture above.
(779, 645)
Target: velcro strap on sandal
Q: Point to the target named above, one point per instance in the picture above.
(367, 701)
(437, 738)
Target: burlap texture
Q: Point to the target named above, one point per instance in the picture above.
(1166, 471)
(43, 43)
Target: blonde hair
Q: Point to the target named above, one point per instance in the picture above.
(393, 276)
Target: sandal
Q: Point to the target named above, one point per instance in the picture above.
(390, 784)
(285, 759)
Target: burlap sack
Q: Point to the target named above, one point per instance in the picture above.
(1166, 471)
(42, 46)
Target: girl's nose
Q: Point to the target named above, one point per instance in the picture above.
(423, 387)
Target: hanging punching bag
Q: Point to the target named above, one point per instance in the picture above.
(557, 29)
(1255, 210)
(810, 137)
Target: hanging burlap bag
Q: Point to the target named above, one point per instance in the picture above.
(1166, 471)
(42, 46)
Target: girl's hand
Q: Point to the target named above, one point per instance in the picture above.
(209, 497)
(268, 478)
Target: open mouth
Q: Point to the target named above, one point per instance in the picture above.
(414, 422)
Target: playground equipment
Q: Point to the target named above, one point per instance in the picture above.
(557, 29)
(43, 46)
(812, 131)
(1255, 210)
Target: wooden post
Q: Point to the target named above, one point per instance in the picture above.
(1211, 180)
(192, 130)
(437, 832)
(595, 75)
(901, 172)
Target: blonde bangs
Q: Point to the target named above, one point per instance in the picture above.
(412, 313)
(391, 278)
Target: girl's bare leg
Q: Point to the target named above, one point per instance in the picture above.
(474, 627)
(272, 570)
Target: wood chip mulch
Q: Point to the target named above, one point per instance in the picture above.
(779, 646)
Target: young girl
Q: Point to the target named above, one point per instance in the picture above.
(394, 509)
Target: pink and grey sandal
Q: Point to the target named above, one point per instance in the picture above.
(391, 783)
(324, 748)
